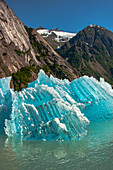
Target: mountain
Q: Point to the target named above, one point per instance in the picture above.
(55, 37)
(13, 39)
(91, 52)
(23, 52)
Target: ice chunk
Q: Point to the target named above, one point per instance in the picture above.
(5, 84)
(55, 109)
(5, 100)
(41, 113)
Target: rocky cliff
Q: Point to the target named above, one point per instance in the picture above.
(13, 38)
(23, 52)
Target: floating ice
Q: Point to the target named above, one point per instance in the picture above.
(5, 100)
(53, 109)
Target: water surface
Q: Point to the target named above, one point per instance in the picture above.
(94, 151)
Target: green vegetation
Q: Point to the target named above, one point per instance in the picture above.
(55, 45)
(38, 47)
(23, 76)
(46, 68)
(62, 52)
(21, 52)
(75, 72)
(63, 66)
(56, 42)
(4, 54)
(85, 56)
(75, 60)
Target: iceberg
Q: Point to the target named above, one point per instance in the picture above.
(5, 101)
(53, 109)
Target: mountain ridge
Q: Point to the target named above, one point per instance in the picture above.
(91, 52)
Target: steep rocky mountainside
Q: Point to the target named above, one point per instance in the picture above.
(23, 52)
(13, 38)
(91, 52)
(55, 37)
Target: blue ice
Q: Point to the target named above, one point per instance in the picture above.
(53, 109)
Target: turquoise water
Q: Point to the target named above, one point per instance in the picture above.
(94, 151)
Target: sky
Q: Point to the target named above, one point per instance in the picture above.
(67, 15)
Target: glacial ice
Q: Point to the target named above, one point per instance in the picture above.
(5, 100)
(53, 109)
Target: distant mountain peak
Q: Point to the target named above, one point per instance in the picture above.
(95, 26)
(55, 37)
(55, 29)
(40, 27)
(91, 52)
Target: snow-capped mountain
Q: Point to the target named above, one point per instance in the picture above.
(55, 37)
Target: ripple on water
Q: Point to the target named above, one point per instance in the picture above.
(95, 151)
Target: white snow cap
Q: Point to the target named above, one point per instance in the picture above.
(61, 35)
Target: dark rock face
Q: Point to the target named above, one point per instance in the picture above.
(23, 52)
(91, 52)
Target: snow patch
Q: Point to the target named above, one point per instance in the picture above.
(61, 35)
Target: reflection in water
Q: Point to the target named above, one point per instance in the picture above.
(40, 154)
(95, 151)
